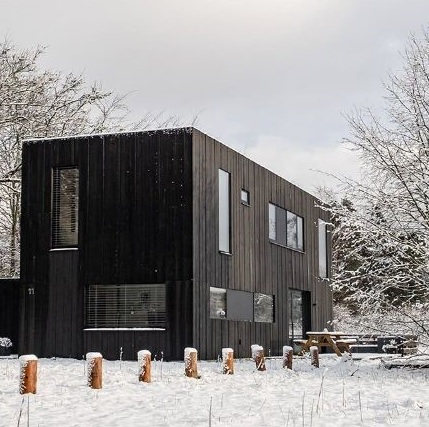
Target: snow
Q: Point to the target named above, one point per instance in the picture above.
(342, 392)
(26, 358)
(93, 355)
(226, 351)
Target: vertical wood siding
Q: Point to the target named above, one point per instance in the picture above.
(255, 265)
(148, 213)
(9, 310)
(135, 226)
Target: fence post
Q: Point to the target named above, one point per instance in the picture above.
(95, 370)
(287, 357)
(314, 354)
(259, 358)
(28, 374)
(191, 369)
(144, 359)
(228, 361)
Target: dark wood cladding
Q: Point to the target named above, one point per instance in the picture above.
(148, 213)
(255, 265)
(9, 310)
(135, 226)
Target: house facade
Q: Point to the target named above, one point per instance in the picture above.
(161, 240)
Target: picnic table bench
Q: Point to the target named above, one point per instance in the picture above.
(337, 341)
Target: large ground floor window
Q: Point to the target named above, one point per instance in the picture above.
(125, 306)
(231, 304)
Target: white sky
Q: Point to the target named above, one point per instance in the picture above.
(270, 78)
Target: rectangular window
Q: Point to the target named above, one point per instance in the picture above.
(263, 306)
(245, 197)
(294, 231)
(323, 253)
(224, 212)
(65, 207)
(272, 232)
(217, 303)
(125, 306)
(285, 228)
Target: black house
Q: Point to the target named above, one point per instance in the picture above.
(160, 240)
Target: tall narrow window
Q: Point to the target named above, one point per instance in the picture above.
(224, 212)
(323, 259)
(272, 231)
(65, 207)
(294, 230)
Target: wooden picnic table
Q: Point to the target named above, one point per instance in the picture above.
(333, 340)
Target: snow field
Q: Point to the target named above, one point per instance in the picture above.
(341, 392)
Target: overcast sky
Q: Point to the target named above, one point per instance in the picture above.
(269, 78)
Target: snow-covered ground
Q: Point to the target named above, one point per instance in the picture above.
(342, 392)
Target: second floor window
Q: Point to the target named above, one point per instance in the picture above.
(224, 212)
(285, 228)
(65, 207)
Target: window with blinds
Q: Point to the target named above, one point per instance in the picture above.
(65, 207)
(125, 306)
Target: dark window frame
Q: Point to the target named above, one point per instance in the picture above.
(279, 231)
(238, 305)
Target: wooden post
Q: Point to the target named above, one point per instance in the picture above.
(228, 361)
(95, 370)
(259, 358)
(144, 359)
(314, 354)
(287, 357)
(28, 374)
(191, 369)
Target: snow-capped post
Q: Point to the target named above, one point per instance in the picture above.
(28, 374)
(228, 361)
(191, 369)
(314, 354)
(95, 370)
(144, 358)
(287, 357)
(259, 358)
(253, 349)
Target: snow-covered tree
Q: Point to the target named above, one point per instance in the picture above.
(381, 239)
(43, 103)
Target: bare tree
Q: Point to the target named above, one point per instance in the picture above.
(44, 103)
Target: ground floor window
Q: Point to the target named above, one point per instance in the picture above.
(231, 304)
(125, 306)
(299, 313)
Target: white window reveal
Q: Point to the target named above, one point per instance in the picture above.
(224, 212)
(323, 252)
(245, 197)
